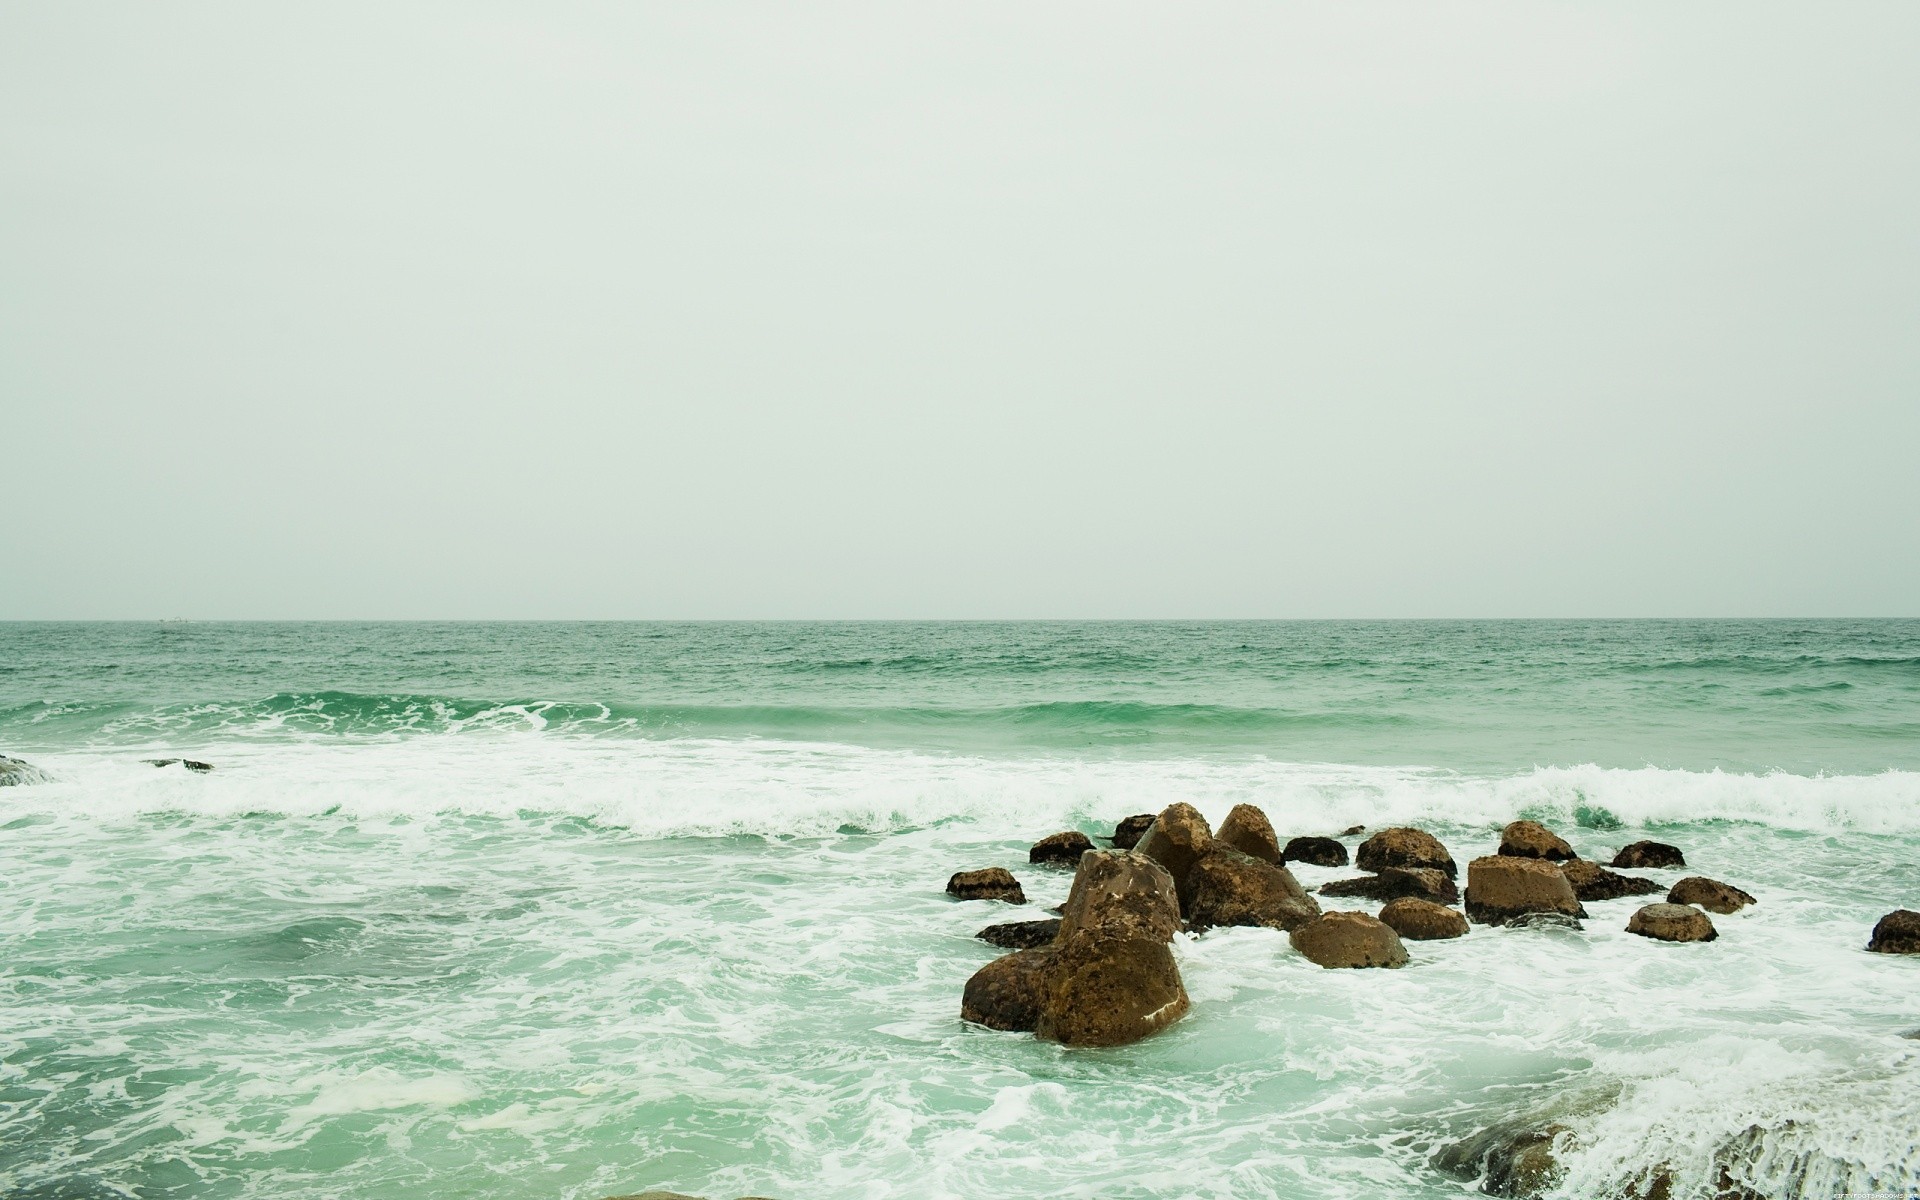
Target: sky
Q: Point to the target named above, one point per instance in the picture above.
(982, 310)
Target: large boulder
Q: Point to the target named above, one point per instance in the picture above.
(1315, 852)
(1531, 839)
(1231, 888)
(1424, 883)
(1108, 991)
(1897, 933)
(1020, 935)
(1501, 887)
(1121, 894)
(1177, 839)
(1247, 830)
(1594, 882)
(1009, 992)
(993, 883)
(1127, 834)
(1709, 894)
(1403, 847)
(1060, 849)
(1649, 856)
(1422, 920)
(1672, 923)
(1349, 939)
(16, 772)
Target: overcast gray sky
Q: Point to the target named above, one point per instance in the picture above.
(959, 310)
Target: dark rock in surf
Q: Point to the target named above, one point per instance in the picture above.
(1247, 830)
(1349, 939)
(1127, 834)
(1176, 840)
(1008, 992)
(1231, 888)
(1403, 847)
(1709, 894)
(1515, 1159)
(1315, 852)
(1353, 831)
(993, 883)
(1422, 920)
(1121, 894)
(1649, 856)
(1531, 839)
(1423, 883)
(1545, 920)
(191, 764)
(1019, 935)
(1897, 933)
(1594, 882)
(1501, 887)
(1109, 991)
(1672, 923)
(15, 772)
(1060, 849)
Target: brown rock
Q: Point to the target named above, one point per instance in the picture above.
(1247, 830)
(1315, 851)
(1422, 920)
(1020, 935)
(1402, 847)
(993, 883)
(1231, 888)
(1353, 831)
(1349, 939)
(1501, 887)
(1514, 1159)
(1062, 849)
(1123, 894)
(1531, 839)
(1008, 992)
(1645, 855)
(1897, 933)
(1127, 834)
(1594, 882)
(1106, 991)
(1423, 883)
(1672, 923)
(1176, 841)
(1709, 894)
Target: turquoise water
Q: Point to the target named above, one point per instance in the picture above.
(571, 910)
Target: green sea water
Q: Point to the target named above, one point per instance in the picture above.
(570, 910)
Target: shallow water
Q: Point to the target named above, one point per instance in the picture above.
(511, 911)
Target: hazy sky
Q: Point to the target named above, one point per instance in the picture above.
(968, 310)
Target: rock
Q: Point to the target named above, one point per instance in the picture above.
(1122, 894)
(1422, 883)
(1062, 849)
(1531, 839)
(1672, 923)
(1404, 847)
(1315, 851)
(1501, 887)
(191, 764)
(1177, 839)
(1422, 920)
(1649, 855)
(1008, 992)
(1594, 882)
(993, 883)
(1353, 831)
(657, 1196)
(16, 772)
(1514, 1159)
(1545, 920)
(1108, 991)
(1127, 834)
(1247, 830)
(1231, 888)
(1020, 935)
(1709, 894)
(1349, 939)
(1897, 933)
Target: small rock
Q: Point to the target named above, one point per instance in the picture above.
(1008, 992)
(1515, 1159)
(1247, 830)
(1177, 839)
(1020, 935)
(1403, 847)
(1897, 933)
(1531, 839)
(191, 764)
(1108, 991)
(1709, 894)
(1349, 939)
(1231, 888)
(1649, 856)
(1123, 894)
(993, 883)
(1672, 923)
(1501, 887)
(1062, 849)
(1315, 851)
(1422, 920)
(1127, 834)
(1353, 831)
(1545, 920)
(16, 772)
(1423, 883)
(1594, 882)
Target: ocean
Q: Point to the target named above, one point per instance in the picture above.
(575, 910)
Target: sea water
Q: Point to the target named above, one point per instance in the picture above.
(572, 910)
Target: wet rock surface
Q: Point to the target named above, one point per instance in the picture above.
(1108, 991)
(1710, 894)
(1672, 923)
(1232, 888)
(1247, 830)
(1176, 840)
(1121, 893)
(1531, 839)
(1020, 935)
(16, 772)
(1896, 933)
(1515, 1159)
(1424, 883)
(1501, 887)
(1404, 847)
(1008, 993)
(1349, 939)
(1594, 882)
(992, 883)
(1315, 852)
(1649, 856)
(1423, 920)
(1060, 849)
(1127, 834)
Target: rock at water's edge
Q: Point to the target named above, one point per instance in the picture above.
(1315, 852)
(1121, 894)
(1063, 849)
(992, 883)
(1009, 992)
(15, 772)
(1594, 882)
(1127, 834)
(1710, 894)
(1247, 830)
(1531, 839)
(1349, 939)
(1177, 839)
(1231, 888)
(1019, 935)
(1649, 856)
(1422, 920)
(1516, 1160)
(1423, 883)
(1672, 923)
(1896, 933)
(1105, 991)
(1404, 847)
(1501, 887)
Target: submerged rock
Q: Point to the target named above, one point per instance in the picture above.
(1531, 839)
(1514, 1159)
(191, 764)
(1404, 847)
(1127, 834)
(1594, 882)
(15, 772)
(1545, 920)
(1020, 935)
(1349, 939)
(1108, 991)
(1232, 888)
(1121, 893)
(1008, 993)
(1247, 830)
(993, 883)
(1649, 855)
(1176, 840)
(1897, 933)
(1672, 923)
(1422, 920)
(1060, 848)
(1424, 883)
(1709, 894)
(1353, 831)
(1501, 887)
(1315, 851)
